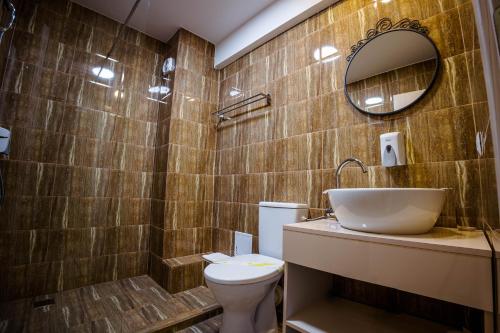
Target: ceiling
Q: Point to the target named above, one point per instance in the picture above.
(211, 19)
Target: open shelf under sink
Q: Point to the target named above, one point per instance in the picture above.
(340, 315)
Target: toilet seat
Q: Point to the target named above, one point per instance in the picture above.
(244, 269)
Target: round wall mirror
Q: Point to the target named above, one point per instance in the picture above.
(392, 68)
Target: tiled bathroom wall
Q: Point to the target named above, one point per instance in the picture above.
(289, 151)
(80, 171)
(181, 224)
(191, 149)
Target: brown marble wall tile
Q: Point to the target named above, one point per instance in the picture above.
(291, 153)
(223, 240)
(80, 174)
(186, 241)
(182, 212)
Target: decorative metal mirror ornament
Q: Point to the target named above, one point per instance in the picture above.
(392, 68)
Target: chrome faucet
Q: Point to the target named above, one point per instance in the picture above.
(348, 161)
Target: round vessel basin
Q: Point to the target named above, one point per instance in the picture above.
(387, 210)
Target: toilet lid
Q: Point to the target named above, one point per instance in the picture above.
(244, 269)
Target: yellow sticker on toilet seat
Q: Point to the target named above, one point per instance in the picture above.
(260, 264)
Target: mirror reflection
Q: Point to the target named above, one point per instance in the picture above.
(391, 71)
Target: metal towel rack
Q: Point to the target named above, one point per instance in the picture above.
(221, 113)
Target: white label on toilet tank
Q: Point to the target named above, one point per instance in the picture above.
(242, 243)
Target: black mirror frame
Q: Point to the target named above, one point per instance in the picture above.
(382, 27)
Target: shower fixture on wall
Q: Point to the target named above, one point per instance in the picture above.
(168, 66)
(12, 11)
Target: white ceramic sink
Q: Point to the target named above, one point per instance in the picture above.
(387, 210)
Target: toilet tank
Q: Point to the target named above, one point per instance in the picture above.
(272, 217)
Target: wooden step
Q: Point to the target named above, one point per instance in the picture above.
(202, 306)
(183, 273)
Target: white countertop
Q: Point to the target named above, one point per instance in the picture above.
(438, 239)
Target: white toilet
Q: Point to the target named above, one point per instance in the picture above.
(244, 285)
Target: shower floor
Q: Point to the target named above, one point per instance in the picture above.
(135, 304)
